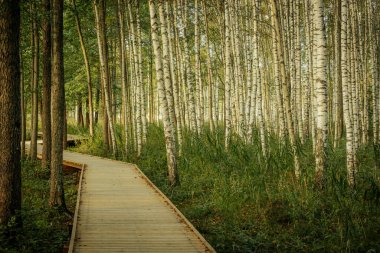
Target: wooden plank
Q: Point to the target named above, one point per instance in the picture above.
(120, 210)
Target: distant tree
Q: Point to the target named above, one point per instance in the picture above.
(23, 110)
(46, 84)
(123, 70)
(347, 95)
(88, 70)
(227, 76)
(35, 78)
(100, 14)
(137, 73)
(284, 81)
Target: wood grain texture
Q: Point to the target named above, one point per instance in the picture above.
(120, 210)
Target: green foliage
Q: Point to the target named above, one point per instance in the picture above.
(44, 229)
(241, 202)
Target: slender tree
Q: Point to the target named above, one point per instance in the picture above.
(123, 69)
(166, 69)
(338, 121)
(103, 58)
(164, 110)
(23, 111)
(57, 195)
(35, 78)
(320, 87)
(284, 81)
(227, 78)
(46, 84)
(88, 70)
(351, 168)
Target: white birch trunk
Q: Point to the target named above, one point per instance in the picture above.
(320, 90)
(168, 127)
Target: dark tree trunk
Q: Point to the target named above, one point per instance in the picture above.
(34, 119)
(46, 84)
(80, 113)
(97, 98)
(10, 112)
(64, 144)
(57, 197)
(23, 113)
(87, 115)
(106, 141)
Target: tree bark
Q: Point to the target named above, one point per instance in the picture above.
(320, 91)
(166, 70)
(80, 121)
(227, 78)
(164, 110)
(123, 71)
(23, 112)
(103, 58)
(88, 70)
(57, 196)
(351, 170)
(141, 78)
(46, 85)
(10, 117)
(137, 78)
(284, 82)
(197, 68)
(209, 71)
(35, 77)
(338, 126)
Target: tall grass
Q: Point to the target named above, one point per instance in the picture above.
(44, 229)
(242, 202)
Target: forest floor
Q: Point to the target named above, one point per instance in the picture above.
(242, 202)
(44, 229)
(238, 200)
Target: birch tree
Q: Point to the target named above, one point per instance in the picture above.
(320, 90)
(99, 6)
(351, 170)
(163, 102)
(284, 80)
(227, 77)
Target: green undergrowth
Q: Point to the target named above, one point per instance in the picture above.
(44, 229)
(242, 202)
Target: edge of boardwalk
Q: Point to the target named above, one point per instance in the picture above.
(75, 219)
(180, 216)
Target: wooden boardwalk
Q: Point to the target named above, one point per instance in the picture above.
(120, 210)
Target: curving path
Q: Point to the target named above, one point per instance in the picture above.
(120, 210)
